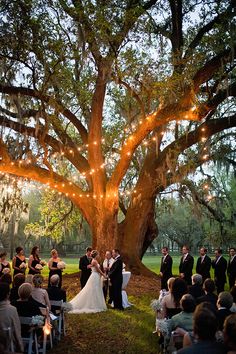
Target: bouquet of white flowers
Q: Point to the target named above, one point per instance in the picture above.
(66, 306)
(6, 270)
(156, 305)
(61, 265)
(23, 265)
(38, 267)
(163, 326)
(43, 263)
(37, 320)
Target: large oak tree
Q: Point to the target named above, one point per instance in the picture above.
(93, 94)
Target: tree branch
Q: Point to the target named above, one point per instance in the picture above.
(13, 90)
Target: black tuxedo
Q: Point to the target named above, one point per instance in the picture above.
(203, 267)
(186, 267)
(219, 274)
(116, 277)
(166, 270)
(231, 271)
(85, 272)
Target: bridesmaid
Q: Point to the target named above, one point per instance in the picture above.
(19, 260)
(52, 265)
(4, 263)
(34, 260)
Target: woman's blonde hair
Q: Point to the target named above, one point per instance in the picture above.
(94, 253)
(25, 291)
(53, 252)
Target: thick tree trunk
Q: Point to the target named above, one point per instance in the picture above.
(139, 230)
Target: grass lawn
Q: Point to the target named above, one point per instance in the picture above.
(127, 332)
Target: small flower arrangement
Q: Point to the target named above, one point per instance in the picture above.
(66, 306)
(23, 265)
(162, 325)
(37, 320)
(156, 305)
(38, 267)
(43, 263)
(6, 270)
(61, 265)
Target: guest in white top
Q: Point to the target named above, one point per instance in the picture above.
(106, 265)
(38, 293)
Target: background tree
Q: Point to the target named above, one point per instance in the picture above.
(72, 72)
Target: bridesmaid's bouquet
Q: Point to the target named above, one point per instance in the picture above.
(6, 270)
(61, 265)
(23, 265)
(43, 263)
(37, 320)
(38, 267)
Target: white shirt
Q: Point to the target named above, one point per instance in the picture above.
(106, 261)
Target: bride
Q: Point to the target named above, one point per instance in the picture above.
(91, 299)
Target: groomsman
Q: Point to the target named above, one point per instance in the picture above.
(186, 265)
(203, 264)
(116, 277)
(106, 265)
(166, 267)
(85, 267)
(231, 269)
(219, 264)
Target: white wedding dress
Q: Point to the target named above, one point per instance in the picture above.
(90, 299)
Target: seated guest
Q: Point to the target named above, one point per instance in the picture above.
(204, 328)
(209, 288)
(184, 319)
(9, 317)
(171, 302)
(54, 292)
(38, 293)
(6, 278)
(17, 281)
(230, 333)
(224, 303)
(233, 293)
(27, 307)
(29, 278)
(196, 288)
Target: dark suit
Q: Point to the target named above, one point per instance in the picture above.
(166, 269)
(221, 316)
(204, 347)
(116, 277)
(203, 267)
(231, 271)
(186, 267)
(195, 290)
(219, 274)
(56, 294)
(209, 297)
(85, 272)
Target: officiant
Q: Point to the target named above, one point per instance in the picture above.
(106, 266)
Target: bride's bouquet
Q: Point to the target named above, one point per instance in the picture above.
(23, 265)
(38, 267)
(61, 265)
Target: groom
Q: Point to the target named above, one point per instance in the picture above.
(85, 267)
(116, 277)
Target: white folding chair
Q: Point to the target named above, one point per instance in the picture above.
(8, 334)
(32, 339)
(59, 316)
